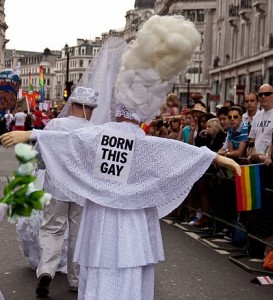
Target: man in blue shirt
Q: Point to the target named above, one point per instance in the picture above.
(237, 134)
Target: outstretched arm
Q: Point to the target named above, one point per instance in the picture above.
(228, 163)
(14, 137)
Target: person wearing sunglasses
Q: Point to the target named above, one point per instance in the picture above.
(262, 126)
(237, 137)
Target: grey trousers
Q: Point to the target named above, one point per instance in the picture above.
(57, 215)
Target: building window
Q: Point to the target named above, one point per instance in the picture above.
(243, 29)
(256, 81)
(230, 90)
(200, 16)
(95, 50)
(183, 98)
(191, 15)
(81, 63)
(271, 76)
(270, 40)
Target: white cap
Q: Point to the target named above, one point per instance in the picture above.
(85, 96)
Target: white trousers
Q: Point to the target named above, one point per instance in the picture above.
(135, 283)
(57, 215)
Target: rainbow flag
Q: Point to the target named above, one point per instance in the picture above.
(42, 83)
(248, 188)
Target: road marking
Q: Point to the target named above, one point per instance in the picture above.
(196, 237)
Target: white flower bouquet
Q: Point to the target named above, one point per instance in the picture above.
(20, 195)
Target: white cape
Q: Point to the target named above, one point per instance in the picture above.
(158, 172)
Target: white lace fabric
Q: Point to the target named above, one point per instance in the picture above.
(118, 238)
(122, 111)
(162, 173)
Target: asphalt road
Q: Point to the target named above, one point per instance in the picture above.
(191, 270)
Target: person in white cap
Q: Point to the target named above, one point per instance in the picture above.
(129, 180)
(62, 212)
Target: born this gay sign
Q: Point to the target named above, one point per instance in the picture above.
(248, 188)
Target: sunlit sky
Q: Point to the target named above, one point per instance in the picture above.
(34, 25)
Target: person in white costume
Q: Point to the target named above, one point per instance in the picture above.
(62, 211)
(127, 179)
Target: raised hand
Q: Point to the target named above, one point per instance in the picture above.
(14, 137)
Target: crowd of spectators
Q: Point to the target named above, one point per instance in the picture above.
(239, 131)
(243, 132)
(26, 120)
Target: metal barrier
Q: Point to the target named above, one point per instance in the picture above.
(257, 224)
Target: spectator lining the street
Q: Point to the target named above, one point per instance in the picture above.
(225, 124)
(172, 104)
(228, 103)
(215, 135)
(201, 138)
(238, 133)
(262, 126)
(187, 129)
(196, 112)
(251, 106)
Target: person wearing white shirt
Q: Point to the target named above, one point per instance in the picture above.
(262, 126)
(9, 118)
(251, 105)
(19, 119)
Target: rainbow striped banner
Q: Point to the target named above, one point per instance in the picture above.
(248, 188)
(42, 83)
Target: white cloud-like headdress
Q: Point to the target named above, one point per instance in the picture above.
(163, 48)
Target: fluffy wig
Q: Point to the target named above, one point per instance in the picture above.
(162, 49)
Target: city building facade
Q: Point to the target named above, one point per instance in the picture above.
(135, 18)
(242, 48)
(195, 83)
(68, 64)
(72, 63)
(28, 63)
(3, 28)
(234, 57)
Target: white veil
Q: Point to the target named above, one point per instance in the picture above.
(101, 75)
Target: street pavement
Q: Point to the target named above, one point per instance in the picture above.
(191, 270)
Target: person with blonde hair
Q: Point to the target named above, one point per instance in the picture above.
(216, 133)
(213, 137)
(172, 104)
